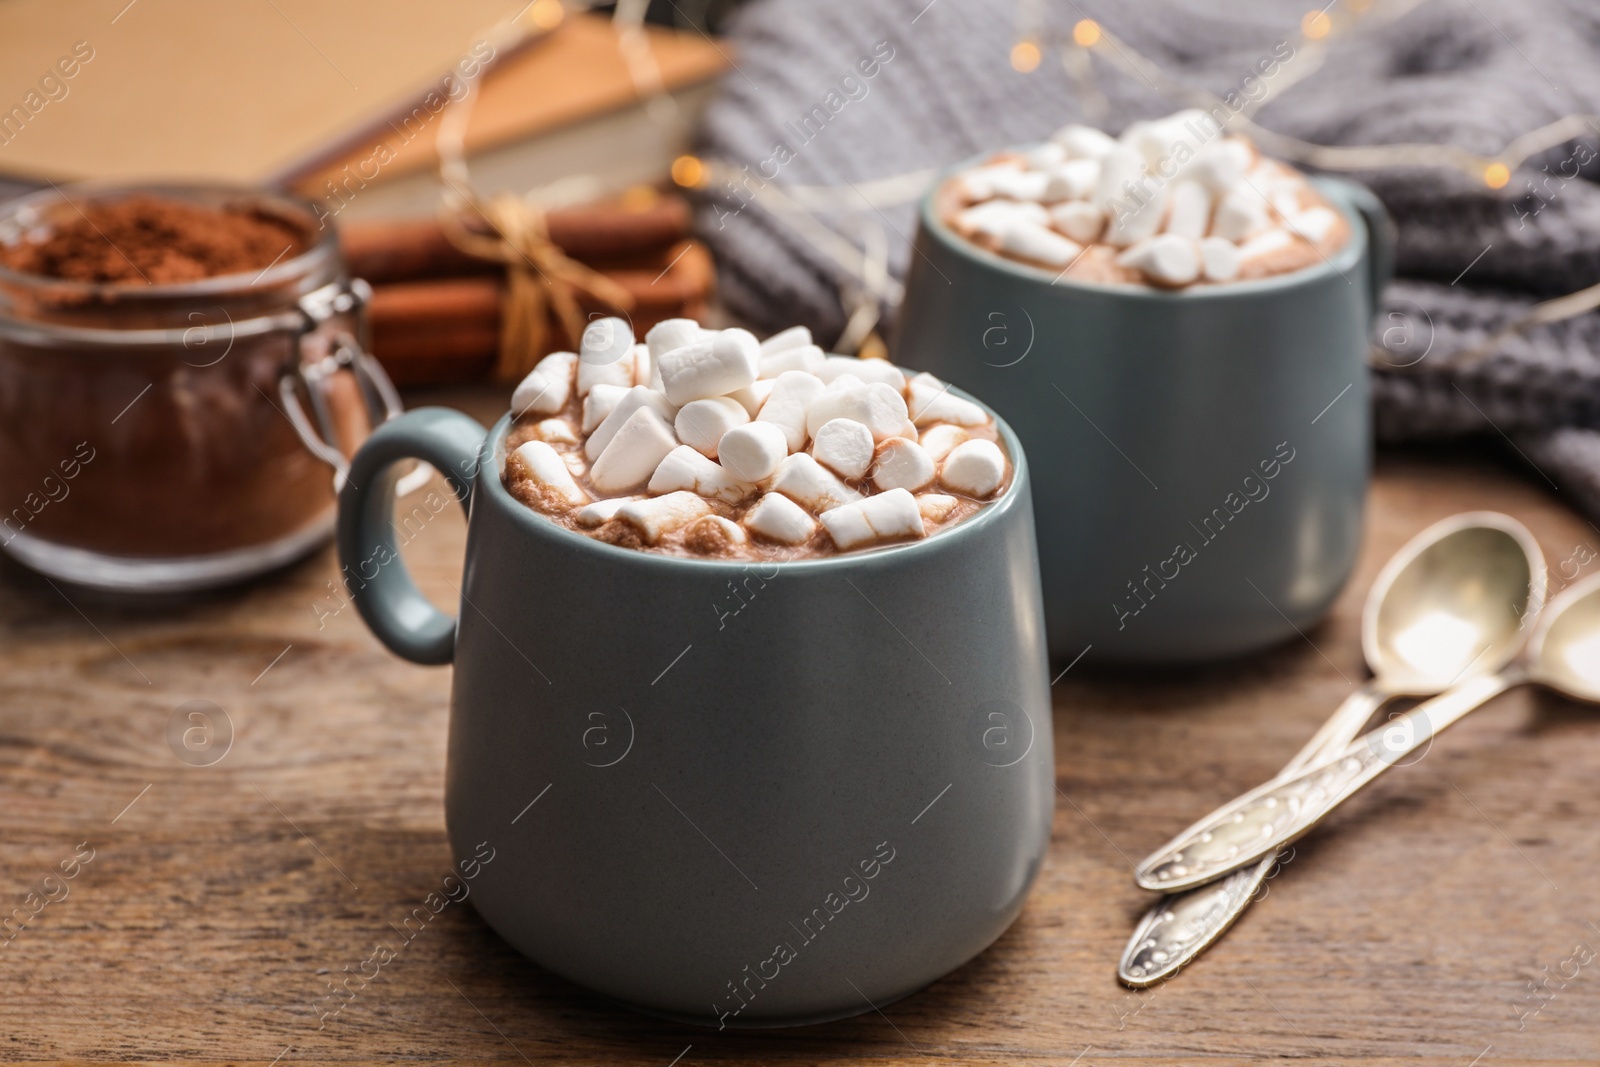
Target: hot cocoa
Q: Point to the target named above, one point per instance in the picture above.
(710, 443)
(1172, 202)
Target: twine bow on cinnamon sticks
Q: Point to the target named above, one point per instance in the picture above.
(541, 280)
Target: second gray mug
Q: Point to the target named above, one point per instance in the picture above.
(1200, 457)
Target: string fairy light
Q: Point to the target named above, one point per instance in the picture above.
(1493, 171)
(799, 206)
(867, 286)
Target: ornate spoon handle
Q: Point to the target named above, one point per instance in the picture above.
(1274, 814)
(1178, 928)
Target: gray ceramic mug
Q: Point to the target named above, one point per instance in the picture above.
(731, 794)
(1200, 457)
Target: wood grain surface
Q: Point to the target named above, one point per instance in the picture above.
(221, 898)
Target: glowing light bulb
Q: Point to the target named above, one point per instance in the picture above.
(1086, 33)
(547, 14)
(1495, 175)
(1316, 25)
(688, 171)
(1025, 56)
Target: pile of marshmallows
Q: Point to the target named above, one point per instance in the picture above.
(695, 415)
(1181, 200)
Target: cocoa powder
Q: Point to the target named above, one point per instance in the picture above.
(157, 241)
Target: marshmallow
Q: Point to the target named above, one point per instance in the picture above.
(1314, 224)
(1270, 176)
(602, 511)
(1188, 210)
(713, 535)
(556, 431)
(605, 354)
(864, 370)
(844, 446)
(991, 217)
(780, 519)
(1166, 259)
(978, 183)
(1286, 202)
(1073, 181)
(936, 507)
(974, 467)
(668, 334)
(1221, 165)
(1240, 213)
(711, 366)
(877, 518)
(643, 367)
(880, 407)
(932, 401)
(1046, 155)
(753, 451)
(939, 439)
(1219, 259)
(753, 395)
(638, 397)
(601, 401)
(701, 423)
(783, 340)
(803, 480)
(1084, 142)
(546, 388)
(684, 468)
(1039, 244)
(548, 471)
(1169, 144)
(634, 451)
(808, 358)
(1020, 184)
(792, 395)
(1144, 138)
(901, 464)
(575, 464)
(659, 516)
(1264, 244)
(1078, 219)
(1132, 207)
(592, 374)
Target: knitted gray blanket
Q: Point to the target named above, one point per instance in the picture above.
(1471, 73)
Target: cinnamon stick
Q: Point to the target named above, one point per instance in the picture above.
(411, 249)
(448, 330)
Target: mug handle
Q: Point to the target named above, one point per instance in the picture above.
(390, 602)
(1380, 233)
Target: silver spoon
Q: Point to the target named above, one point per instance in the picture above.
(1418, 631)
(1564, 655)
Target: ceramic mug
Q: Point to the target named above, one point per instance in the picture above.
(1201, 456)
(728, 793)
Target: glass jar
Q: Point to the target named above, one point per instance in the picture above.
(155, 437)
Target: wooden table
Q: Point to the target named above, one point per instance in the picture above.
(220, 899)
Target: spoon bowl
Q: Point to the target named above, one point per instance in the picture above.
(1565, 651)
(1452, 603)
